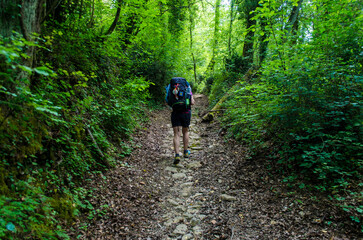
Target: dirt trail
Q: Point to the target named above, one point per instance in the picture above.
(218, 193)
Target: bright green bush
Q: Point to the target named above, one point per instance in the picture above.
(305, 108)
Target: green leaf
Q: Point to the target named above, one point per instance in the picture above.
(25, 68)
(43, 71)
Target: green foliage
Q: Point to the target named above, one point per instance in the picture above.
(28, 214)
(307, 102)
(68, 118)
(219, 85)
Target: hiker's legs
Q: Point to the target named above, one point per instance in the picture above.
(185, 137)
(176, 139)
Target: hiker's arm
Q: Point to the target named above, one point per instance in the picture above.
(192, 102)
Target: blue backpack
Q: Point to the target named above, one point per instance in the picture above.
(179, 94)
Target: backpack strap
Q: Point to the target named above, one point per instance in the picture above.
(167, 93)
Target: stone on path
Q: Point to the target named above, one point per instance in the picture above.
(192, 210)
(197, 148)
(173, 202)
(171, 169)
(194, 164)
(188, 215)
(186, 184)
(180, 208)
(169, 222)
(179, 175)
(226, 197)
(197, 230)
(187, 236)
(194, 221)
(181, 229)
(186, 191)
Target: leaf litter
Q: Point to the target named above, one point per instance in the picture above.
(261, 206)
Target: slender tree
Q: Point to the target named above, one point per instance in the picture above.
(231, 19)
(263, 42)
(191, 28)
(117, 16)
(212, 62)
(247, 8)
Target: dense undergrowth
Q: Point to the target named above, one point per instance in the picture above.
(304, 109)
(72, 119)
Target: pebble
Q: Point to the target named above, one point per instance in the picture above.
(186, 191)
(188, 215)
(192, 210)
(186, 184)
(173, 202)
(197, 148)
(194, 165)
(197, 195)
(194, 221)
(179, 175)
(181, 229)
(180, 208)
(197, 230)
(226, 197)
(273, 222)
(169, 222)
(178, 219)
(187, 236)
(171, 169)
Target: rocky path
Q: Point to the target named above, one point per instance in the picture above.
(182, 216)
(218, 193)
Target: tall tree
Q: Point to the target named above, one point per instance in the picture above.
(263, 41)
(212, 62)
(191, 28)
(117, 16)
(292, 24)
(231, 19)
(247, 9)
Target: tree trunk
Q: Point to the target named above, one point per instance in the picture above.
(248, 43)
(211, 64)
(292, 24)
(31, 15)
(247, 52)
(117, 16)
(230, 27)
(191, 43)
(91, 21)
(263, 43)
(9, 20)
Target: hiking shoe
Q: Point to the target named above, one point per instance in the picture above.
(186, 153)
(176, 159)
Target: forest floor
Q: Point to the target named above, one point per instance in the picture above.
(218, 193)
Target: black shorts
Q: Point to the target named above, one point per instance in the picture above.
(181, 119)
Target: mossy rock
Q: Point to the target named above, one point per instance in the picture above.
(65, 207)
